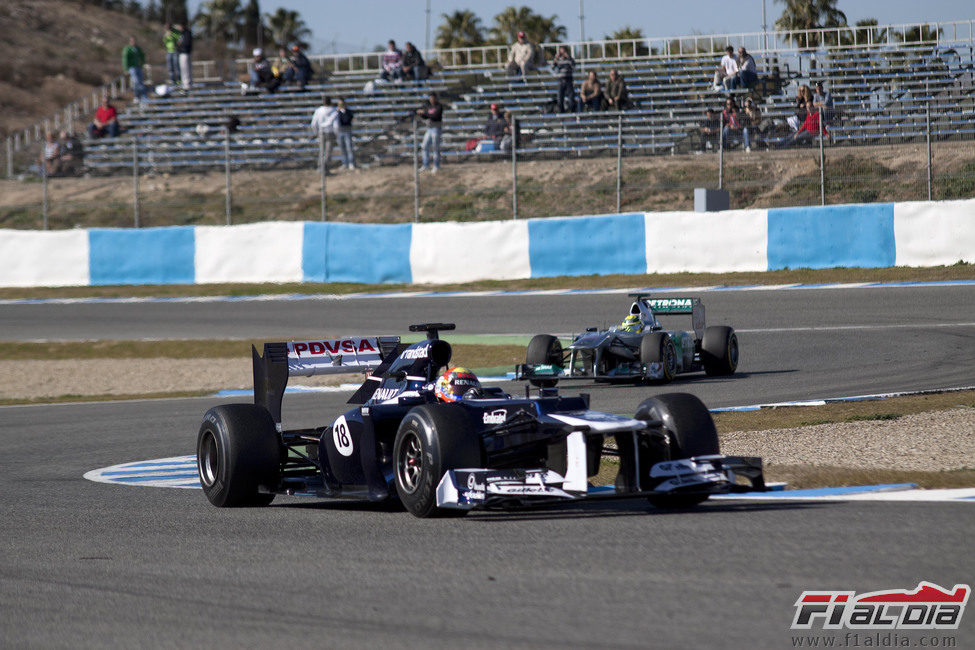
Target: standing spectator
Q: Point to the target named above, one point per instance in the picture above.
(72, 154)
(392, 63)
(521, 58)
(591, 93)
(133, 58)
(324, 121)
(726, 74)
(300, 69)
(50, 155)
(616, 93)
(413, 64)
(433, 114)
(170, 42)
(185, 49)
(709, 129)
(823, 101)
(747, 69)
(105, 122)
(343, 130)
(563, 64)
(495, 126)
(732, 127)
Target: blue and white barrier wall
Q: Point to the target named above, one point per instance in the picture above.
(872, 235)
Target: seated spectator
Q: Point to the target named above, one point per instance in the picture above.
(495, 126)
(72, 154)
(616, 93)
(413, 65)
(512, 132)
(804, 102)
(732, 127)
(747, 70)
(709, 130)
(823, 101)
(726, 74)
(261, 74)
(283, 67)
(105, 122)
(808, 132)
(591, 93)
(753, 121)
(50, 154)
(523, 56)
(563, 64)
(392, 63)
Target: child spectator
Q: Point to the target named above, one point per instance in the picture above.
(105, 122)
(133, 58)
(591, 93)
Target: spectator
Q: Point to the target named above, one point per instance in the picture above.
(732, 127)
(105, 122)
(809, 130)
(747, 70)
(49, 156)
(512, 132)
(282, 66)
(185, 49)
(522, 58)
(752, 121)
(726, 74)
(433, 114)
(300, 69)
(343, 131)
(72, 154)
(495, 126)
(616, 93)
(413, 66)
(261, 74)
(171, 42)
(133, 58)
(591, 93)
(392, 63)
(804, 102)
(563, 64)
(324, 121)
(709, 129)
(823, 101)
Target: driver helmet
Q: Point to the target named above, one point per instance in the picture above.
(456, 384)
(631, 324)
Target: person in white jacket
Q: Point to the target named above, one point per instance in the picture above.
(521, 59)
(323, 122)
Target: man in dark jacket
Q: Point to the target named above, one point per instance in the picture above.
(563, 64)
(185, 48)
(616, 94)
(413, 65)
(433, 114)
(494, 127)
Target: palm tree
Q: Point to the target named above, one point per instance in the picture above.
(459, 29)
(538, 28)
(221, 20)
(255, 33)
(801, 15)
(627, 34)
(287, 27)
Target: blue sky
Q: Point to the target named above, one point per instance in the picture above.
(350, 26)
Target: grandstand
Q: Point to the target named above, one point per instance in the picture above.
(882, 93)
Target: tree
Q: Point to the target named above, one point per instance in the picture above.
(538, 28)
(287, 27)
(174, 11)
(920, 34)
(221, 20)
(459, 29)
(153, 13)
(801, 15)
(627, 34)
(255, 33)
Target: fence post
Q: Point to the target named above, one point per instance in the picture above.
(44, 193)
(10, 158)
(514, 167)
(619, 158)
(226, 166)
(721, 158)
(416, 178)
(135, 180)
(822, 162)
(322, 170)
(927, 131)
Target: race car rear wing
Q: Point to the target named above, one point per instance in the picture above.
(282, 360)
(676, 306)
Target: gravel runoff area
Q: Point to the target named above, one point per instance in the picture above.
(932, 441)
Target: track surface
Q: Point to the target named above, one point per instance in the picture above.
(89, 564)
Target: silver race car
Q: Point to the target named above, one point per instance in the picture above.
(638, 349)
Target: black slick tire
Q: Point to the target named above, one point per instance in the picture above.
(657, 347)
(544, 349)
(719, 350)
(238, 452)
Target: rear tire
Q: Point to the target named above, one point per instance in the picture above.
(657, 347)
(238, 451)
(432, 439)
(690, 429)
(719, 350)
(544, 349)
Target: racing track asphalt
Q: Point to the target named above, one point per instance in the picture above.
(86, 564)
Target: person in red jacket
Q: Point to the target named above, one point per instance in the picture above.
(807, 132)
(105, 122)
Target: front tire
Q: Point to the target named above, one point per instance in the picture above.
(432, 439)
(237, 452)
(544, 349)
(658, 347)
(691, 432)
(719, 350)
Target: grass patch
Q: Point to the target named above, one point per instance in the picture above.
(65, 399)
(810, 476)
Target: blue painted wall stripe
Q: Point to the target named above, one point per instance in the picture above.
(831, 236)
(142, 256)
(353, 252)
(587, 245)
